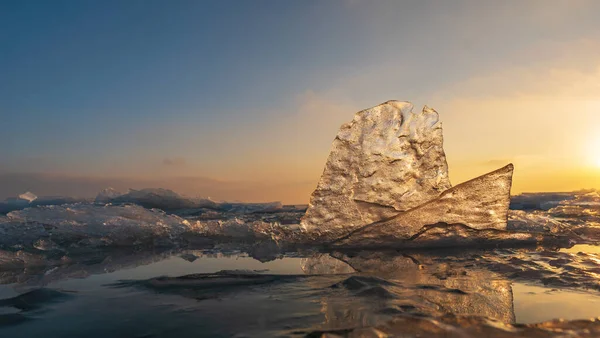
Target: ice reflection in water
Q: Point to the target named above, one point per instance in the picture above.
(470, 293)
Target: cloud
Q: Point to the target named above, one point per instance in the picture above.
(550, 70)
(41, 184)
(175, 161)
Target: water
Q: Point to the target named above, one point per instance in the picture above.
(228, 293)
(63, 283)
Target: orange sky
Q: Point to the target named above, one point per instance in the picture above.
(512, 81)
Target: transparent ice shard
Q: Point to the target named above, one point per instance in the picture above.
(481, 203)
(28, 196)
(386, 160)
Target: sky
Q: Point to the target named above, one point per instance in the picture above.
(240, 100)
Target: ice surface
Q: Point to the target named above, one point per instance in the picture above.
(481, 203)
(577, 213)
(251, 207)
(91, 225)
(69, 226)
(387, 159)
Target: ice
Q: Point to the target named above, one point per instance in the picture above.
(252, 231)
(159, 198)
(386, 180)
(106, 195)
(479, 204)
(28, 199)
(387, 159)
(91, 225)
(16, 234)
(15, 203)
(79, 225)
(28, 196)
(154, 198)
(244, 208)
(538, 201)
(577, 213)
(232, 228)
(171, 201)
(519, 220)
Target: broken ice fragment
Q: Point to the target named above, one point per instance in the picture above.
(107, 195)
(481, 203)
(28, 196)
(386, 160)
(163, 199)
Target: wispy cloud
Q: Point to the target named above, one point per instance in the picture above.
(296, 192)
(175, 161)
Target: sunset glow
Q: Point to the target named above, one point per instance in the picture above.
(237, 122)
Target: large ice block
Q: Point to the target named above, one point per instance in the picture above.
(386, 160)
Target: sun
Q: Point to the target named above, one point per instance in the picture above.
(592, 149)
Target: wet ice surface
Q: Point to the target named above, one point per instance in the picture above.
(225, 292)
(143, 279)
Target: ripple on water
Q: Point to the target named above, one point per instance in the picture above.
(498, 293)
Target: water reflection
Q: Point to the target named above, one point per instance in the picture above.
(302, 293)
(389, 283)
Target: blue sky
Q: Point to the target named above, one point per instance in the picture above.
(78, 70)
(254, 91)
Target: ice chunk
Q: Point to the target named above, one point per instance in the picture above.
(93, 225)
(28, 196)
(107, 195)
(386, 160)
(30, 200)
(16, 203)
(481, 203)
(163, 199)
